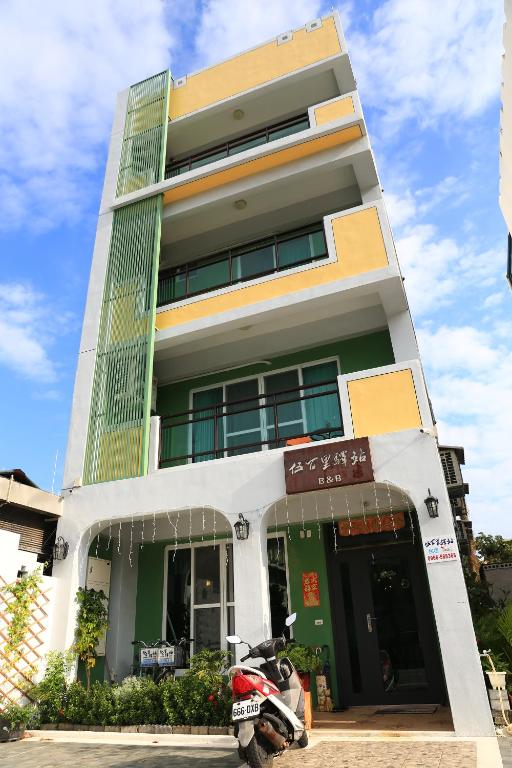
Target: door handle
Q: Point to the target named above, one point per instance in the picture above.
(369, 619)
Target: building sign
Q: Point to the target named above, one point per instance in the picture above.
(328, 466)
(439, 549)
(372, 524)
(310, 589)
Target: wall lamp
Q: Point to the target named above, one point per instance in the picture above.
(432, 505)
(242, 528)
(60, 549)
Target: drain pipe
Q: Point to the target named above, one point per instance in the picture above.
(487, 655)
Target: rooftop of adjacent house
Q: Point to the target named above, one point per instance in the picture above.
(18, 490)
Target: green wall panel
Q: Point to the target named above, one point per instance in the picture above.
(145, 134)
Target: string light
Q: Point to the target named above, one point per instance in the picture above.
(277, 534)
(405, 496)
(109, 534)
(142, 534)
(377, 505)
(363, 506)
(287, 518)
(202, 529)
(176, 537)
(154, 528)
(335, 533)
(119, 540)
(214, 528)
(391, 510)
(348, 515)
(98, 538)
(302, 511)
(131, 544)
(317, 520)
(190, 526)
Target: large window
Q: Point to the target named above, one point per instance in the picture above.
(245, 262)
(200, 595)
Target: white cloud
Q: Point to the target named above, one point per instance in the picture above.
(24, 333)
(229, 26)
(470, 375)
(425, 60)
(61, 73)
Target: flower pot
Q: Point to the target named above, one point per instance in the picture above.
(10, 734)
(497, 679)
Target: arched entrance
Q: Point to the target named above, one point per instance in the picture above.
(358, 581)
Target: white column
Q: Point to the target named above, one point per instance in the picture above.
(252, 602)
(154, 443)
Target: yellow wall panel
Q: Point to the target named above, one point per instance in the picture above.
(254, 68)
(120, 452)
(359, 248)
(384, 403)
(335, 110)
(260, 164)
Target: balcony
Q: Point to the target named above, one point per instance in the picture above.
(236, 146)
(216, 429)
(222, 423)
(252, 260)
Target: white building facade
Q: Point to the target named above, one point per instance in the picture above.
(246, 313)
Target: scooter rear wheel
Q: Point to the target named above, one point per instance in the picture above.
(257, 756)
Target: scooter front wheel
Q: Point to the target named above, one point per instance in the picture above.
(256, 754)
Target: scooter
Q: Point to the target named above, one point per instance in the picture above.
(268, 703)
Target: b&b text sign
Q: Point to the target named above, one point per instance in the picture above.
(328, 466)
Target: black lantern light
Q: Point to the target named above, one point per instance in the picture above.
(60, 549)
(432, 505)
(242, 528)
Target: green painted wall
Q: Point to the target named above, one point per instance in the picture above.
(150, 585)
(355, 354)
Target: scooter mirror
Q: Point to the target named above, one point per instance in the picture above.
(233, 639)
(290, 619)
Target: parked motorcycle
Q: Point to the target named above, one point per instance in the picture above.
(268, 703)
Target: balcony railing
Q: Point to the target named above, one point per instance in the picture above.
(245, 262)
(233, 428)
(241, 144)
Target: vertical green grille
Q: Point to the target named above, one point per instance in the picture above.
(121, 401)
(143, 152)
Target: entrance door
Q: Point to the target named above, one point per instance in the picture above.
(386, 646)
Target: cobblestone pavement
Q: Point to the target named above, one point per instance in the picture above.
(366, 754)
(21, 754)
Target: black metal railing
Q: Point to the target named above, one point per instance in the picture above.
(235, 146)
(179, 443)
(257, 258)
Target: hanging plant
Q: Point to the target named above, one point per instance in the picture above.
(91, 622)
(24, 593)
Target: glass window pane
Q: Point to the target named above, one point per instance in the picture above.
(207, 575)
(317, 244)
(206, 629)
(323, 414)
(178, 595)
(278, 585)
(255, 262)
(301, 249)
(287, 130)
(206, 159)
(208, 276)
(288, 408)
(243, 416)
(241, 146)
(231, 620)
(208, 427)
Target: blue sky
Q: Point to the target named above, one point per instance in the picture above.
(429, 77)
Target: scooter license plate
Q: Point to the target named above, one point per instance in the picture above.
(245, 710)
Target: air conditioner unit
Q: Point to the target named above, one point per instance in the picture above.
(451, 468)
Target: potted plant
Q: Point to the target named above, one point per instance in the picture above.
(305, 661)
(13, 720)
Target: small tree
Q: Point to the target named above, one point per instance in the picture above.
(91, 622)
(493, 550)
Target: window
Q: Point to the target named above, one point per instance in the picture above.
(200, 594)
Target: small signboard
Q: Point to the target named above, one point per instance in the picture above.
(167, 656)
(149, 657)
(372, 524)
(440, 549)
(310, 589)
(329, 465)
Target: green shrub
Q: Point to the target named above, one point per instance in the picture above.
(76, 704)
(49, 693)
(201, 696)
(304, 659)
(18, 715)
(138, 701)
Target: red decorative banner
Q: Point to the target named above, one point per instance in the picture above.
(372, 524)
(310, 589)
(345, 462)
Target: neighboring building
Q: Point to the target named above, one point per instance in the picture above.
(248, 351)
(506, 132)
(452, 458)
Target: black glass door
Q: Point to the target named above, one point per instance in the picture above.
(386, 645)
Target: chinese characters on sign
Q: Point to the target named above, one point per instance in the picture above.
(373, 524)
(328, 466)
(310, 590)
(439, 549)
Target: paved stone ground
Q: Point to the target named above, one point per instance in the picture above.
(367, 754)
(23, 754)
(505, 743)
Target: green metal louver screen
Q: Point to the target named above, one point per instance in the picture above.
(143, 152)
(118, 434)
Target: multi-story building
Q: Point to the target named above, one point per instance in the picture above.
(248, 357)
